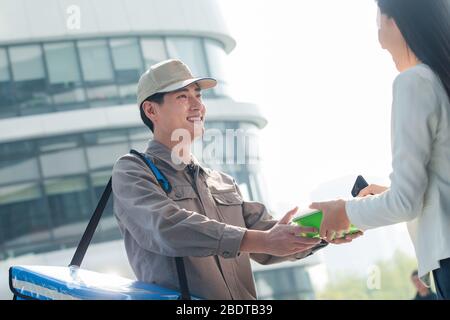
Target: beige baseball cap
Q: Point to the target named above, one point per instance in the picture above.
(167, 76)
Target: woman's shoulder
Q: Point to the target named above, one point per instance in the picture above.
(417, 77)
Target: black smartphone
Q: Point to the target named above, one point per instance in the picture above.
(360, 184)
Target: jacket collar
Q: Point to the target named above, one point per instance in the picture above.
(161, 152)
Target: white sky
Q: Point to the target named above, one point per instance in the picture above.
(320, 76)
(317, 71)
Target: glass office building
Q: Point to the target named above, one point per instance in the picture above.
(68, 111)
(50, 185)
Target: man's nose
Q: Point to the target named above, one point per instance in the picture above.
(196, 104)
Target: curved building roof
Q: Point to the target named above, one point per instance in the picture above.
(31, 20)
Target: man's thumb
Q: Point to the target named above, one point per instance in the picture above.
(288, 216)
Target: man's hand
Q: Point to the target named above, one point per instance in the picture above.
(281, 240)
(372, 189)
(284, 239)
(335, 221)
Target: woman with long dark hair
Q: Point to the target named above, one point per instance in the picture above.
(417, 35)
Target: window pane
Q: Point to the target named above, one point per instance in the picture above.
(4, 71)
(95, 61)
(190, 51)
(99, 180)
(127, 66)
(108, 228)
(105, 156)
(58, 143)
(139, 138)
(7, 108)
(217, 60)
(61, 156)
(63, 163)
(18, 170)
(127, 60)
(22, 217)
(62, 63)
(15, 150)
(69, 202)
(153, 51)
(94, 138)
(29, 79)
(64, 75)
(102, 95)
(97, 72)
(142, 133)
(18, 162)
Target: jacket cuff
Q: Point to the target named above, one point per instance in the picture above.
(230, 243)
(353, 214)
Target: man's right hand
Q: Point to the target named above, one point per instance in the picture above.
(281, 240)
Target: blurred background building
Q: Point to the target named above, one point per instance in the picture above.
(68, 75)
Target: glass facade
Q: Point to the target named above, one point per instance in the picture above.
(49, 186)
(66, 75)
(29, 79)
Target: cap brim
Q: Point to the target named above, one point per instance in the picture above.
(204, 83)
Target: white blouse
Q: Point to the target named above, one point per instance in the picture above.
(420, 180)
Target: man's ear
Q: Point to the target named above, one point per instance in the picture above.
(150, 110)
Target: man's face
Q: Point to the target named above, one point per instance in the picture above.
(181, 109)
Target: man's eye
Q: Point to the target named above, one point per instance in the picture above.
(182, 96)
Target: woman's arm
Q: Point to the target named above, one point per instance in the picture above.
(415, 118)
(414, 126)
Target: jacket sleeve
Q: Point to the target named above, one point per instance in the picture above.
(414, 126)
(257, 217)
(158, 224)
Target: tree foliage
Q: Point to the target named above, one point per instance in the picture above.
(387, 280)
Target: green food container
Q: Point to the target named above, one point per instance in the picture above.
(313, 218)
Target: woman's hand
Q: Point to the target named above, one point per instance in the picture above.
(335, 221)
(347, 238)
(371, 190)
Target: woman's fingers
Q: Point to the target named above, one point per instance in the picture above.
(365, 192)
(341, 241)
(347, 238)
(331, 235)
(354, 235)
(316, 205)
(371, 190)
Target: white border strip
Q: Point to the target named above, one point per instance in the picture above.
(20, 285)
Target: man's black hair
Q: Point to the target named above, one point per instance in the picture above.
(157, 98)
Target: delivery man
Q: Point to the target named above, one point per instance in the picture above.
(202, 215)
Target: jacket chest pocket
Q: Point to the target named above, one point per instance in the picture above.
(229, 204)
(186, 197)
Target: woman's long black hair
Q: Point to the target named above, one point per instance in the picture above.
(425, 25)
